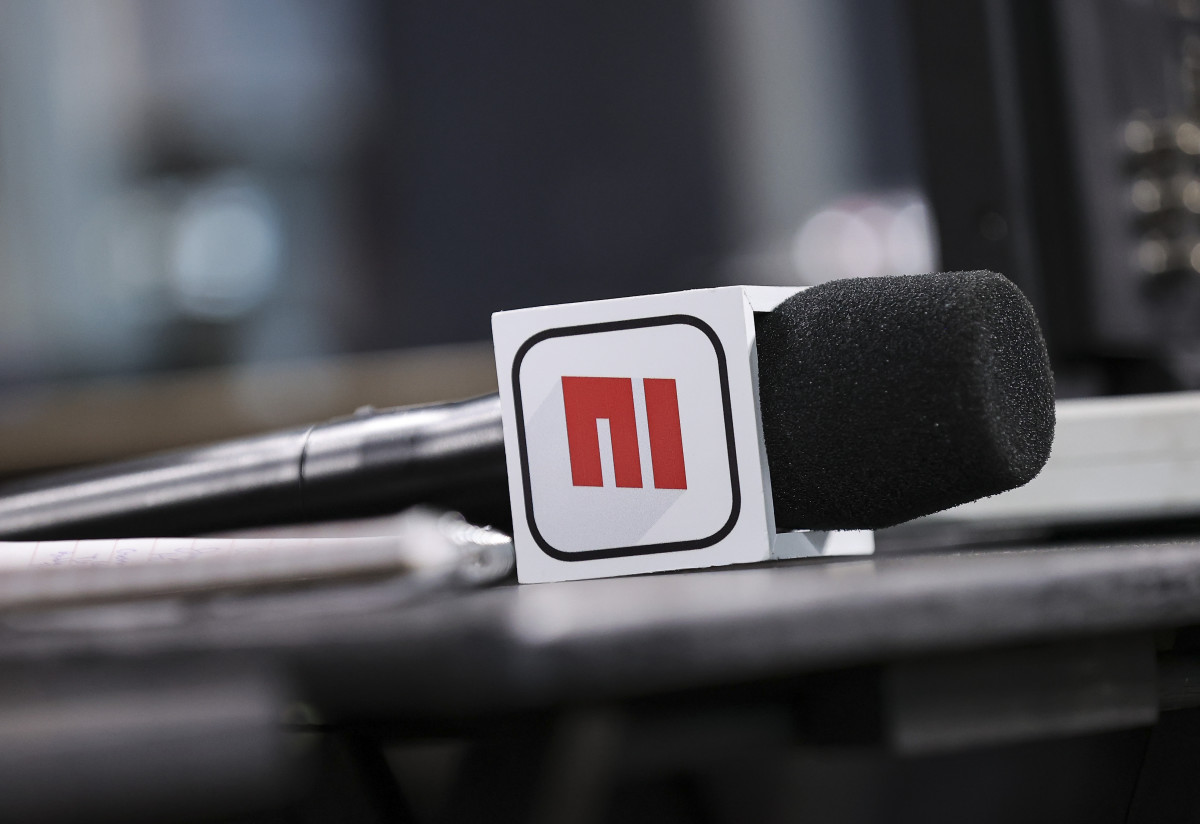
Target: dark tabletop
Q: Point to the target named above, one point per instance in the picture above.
(514, 646)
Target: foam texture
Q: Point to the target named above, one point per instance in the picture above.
(884, 399)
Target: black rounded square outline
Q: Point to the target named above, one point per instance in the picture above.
(613, 326)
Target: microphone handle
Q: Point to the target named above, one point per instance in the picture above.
(367, 463)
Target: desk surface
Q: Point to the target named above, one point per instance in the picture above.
(513, 647)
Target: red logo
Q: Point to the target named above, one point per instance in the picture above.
(588, 399)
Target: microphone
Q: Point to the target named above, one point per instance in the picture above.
(368, 463)
(888, 398)
(882, 399)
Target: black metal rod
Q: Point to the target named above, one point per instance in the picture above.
(370, 462)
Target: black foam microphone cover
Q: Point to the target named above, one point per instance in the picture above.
(887, 398)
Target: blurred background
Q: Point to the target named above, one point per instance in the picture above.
(203, 183)
(211, 213)
(220, 216)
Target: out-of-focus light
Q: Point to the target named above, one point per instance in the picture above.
(1152, 256)
(1139, 137)
(1146, 195)
(226, 250)
(1189, 194)
(865, 237)
(1187, 137)
(837, 244)
(910, 240)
